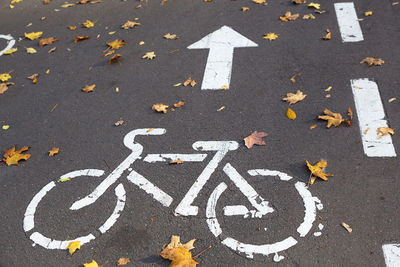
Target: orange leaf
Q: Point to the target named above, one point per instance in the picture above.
(179, 104)
(11, 157)
(88, 88)
(53, 151)
(80, 38)
(47, 41)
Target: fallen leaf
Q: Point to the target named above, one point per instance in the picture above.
(114, 58)
(290, 114)
(270, 36)
(314, 5)
(141, 43)
(130, 24)
(10, 51)
(12, 156)
(372, 61)
(334, 119)
(111, 33)
(309, 16)
(392, 99)
(347, 227)
(366, 130)
(317, 171)
(33, 35)
(47, 41)
(328, 35)
(368, 13)
(320, 11)
(313, 126)
(189, 81)
(92, 264)
(31, 50)
(289, 16)
(294, 98)
(177, 84)
(123, 261)
(68, 5)
(294, 76)
(349, 118)
(73, 246)
(80, 38)
(33, 77)
(149, 130)
(5, 77)
(245, 8)
(149, 55)
(160, 108)
(3, 88)
(178, 161)
(221, 108)
(72, 28)
(260, 1)
(298, 2)
(89, 88)
(171, 36)
(395, 3)
(109, 53)
(5, 127)
(382, 131)
(328, 96)
(256, 138)
(118, 123)
(87, 24)
(328, 89)
(179, 104)
(224, 87)
(46, 2)
(116, 44)
(53, 151)
(51, 50)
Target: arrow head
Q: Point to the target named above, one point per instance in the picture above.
(225, 36)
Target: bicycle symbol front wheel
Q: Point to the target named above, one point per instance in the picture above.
(50, 243)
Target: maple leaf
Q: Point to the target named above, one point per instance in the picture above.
(159, 107)
(179, 253)
(47, 41)
(328, 35)
(179, 104)
(130, 24)
(33, 77)
(382, 131)
(80, 38)
(170, 36)
(114, 58)
(290, 114)
(350, 117)
(317, 171)
(149, 55)
(73, 246)
(53, 151)
(294, 98)
(123, 261)
(334, 119)
(116, 44)
(31, 50)
(5, 77)
(89, 88)
(256, 138)
(260, 1)
(10, 51)
(12, 156)
(270, 36)
(372, 61)
(88, 24)
(289, 16)
(33, 35)
(91, 264)
(314, 5)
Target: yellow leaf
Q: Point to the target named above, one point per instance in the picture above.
(5, 77)
(314, 5)
(73, 246)
(177, 84)
(392, 99)
(270, 36)
(368, 13)
(382, 131)
(11, 156)
(88, 88)
(88, 24)
(123, 261)
(149, 55)
(317, 171)
(33, 35)
(31, 50)
(347, 227)
(309, 16)
(313, 126)
(10, 51)
(260, 1)
(141, 43)
(80, 38)
(16, 1)
(116, 44)
(11, 6)
(245, 8)
(290, 114)
(67, 5)
(334, 119)
(5, 127)
(294, 98)
(179, 253)
(327, 36)
(372, 61)
(53, 151)
(170, 36)
(159, 107)
(92, 264)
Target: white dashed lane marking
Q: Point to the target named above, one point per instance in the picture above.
(348, 22)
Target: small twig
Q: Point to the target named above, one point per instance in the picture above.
(55, 106)
(202, 252)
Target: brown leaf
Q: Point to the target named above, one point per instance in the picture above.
(160, 108)
(12, 157)
(298, 2)
(334, 119)
(350, 117)
(189, 81)
(33, 77)
(123, 261)
(130, 24)
(289, 16)
(372, 61)
(118, 123)
(179, 104)
(46, 2)
(114, 58)
(80, 38)
(256, 138)
(294, 98)
(109, 53)
(116, 44)
(89, 88)
(47, 41)
(4, 87)
(53, 151)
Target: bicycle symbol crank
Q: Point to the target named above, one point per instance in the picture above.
(260, 206)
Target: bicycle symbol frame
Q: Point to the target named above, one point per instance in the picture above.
(261, 207)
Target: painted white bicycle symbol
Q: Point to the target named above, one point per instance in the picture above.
(10, 44)
(260, 207)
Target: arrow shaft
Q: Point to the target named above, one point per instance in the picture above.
(218, 68)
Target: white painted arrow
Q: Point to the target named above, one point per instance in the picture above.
(221, 43)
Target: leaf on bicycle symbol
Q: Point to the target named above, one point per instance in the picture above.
(179, 253)
(11, 156)
(294, 98)
(317, 169)
(159, 107)
(91, 264)
(256, 138)
(177, 161)
(73, 246)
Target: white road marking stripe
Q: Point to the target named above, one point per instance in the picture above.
(310, 209)
(121, 197)
(371, 116)
(391, 252)
(10, 45)
(219, 62)
(212, 221)
(348, 22)
(46, 242)
(169, 157)
(265, 172)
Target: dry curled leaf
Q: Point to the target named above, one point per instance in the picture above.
(114, 58)
(119, 123)
(149, 55)
(372, 61)
(298, 2)
(116, 44)
(259, 1)
(290, 114)
(270, 36)
(317, 171)
(294, 98)
(347, 227)
(51, 50)
(349, 118)
(12, 156)
(89, 88)
(334, 119)
(53, 151)
(159, 107)
(289, 16)
(382, 131)
(109, 53)
(189, 81)
(256, 138)
(80, 38)
(130, 24)
(33, 77)
(179, 104)
(327, 36)
(309, 16)
(313, 126)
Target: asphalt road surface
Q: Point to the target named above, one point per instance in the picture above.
(286, 223)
